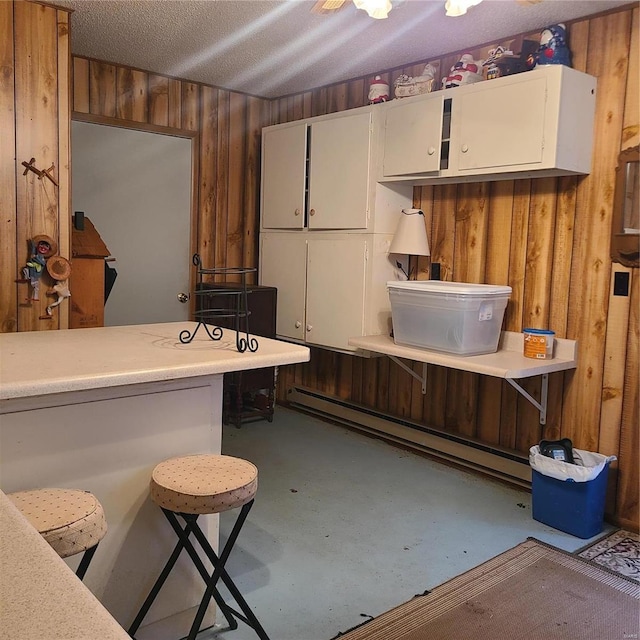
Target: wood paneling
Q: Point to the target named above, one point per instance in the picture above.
(548, 239)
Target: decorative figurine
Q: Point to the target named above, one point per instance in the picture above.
(412, 86)
(465, 71)
(553, 47)
(59, 269)
(42, 248)
(378, 91)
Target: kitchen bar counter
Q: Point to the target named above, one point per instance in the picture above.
(97, 409)
(40, 597)
(38, 363)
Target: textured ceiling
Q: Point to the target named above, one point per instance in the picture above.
(274, 48)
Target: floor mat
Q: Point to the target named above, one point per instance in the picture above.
(619, 552)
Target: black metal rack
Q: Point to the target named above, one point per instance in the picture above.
(235, 309)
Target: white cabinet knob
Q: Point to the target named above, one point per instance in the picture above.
(312, 212)
(298, 324)
(431, 150)
(309, 327)
(464, 148)
(297, 212)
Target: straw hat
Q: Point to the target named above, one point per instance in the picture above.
(59, 268)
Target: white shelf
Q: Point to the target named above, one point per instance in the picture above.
(508, 362)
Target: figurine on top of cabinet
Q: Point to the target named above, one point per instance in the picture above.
(378, 91)
(412, 86)
(465, 71)
(553, 47)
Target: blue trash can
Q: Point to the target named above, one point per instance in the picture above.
(575, 507)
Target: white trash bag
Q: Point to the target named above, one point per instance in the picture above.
(588, 465)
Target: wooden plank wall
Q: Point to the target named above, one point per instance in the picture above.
(227, 128)
(34, 91)
(548, 239)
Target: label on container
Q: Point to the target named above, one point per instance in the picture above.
(538, 344)
(486, 311)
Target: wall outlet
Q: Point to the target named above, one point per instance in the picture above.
(621, 283)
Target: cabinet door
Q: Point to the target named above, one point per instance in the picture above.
(413, 131)
(284, 153)
(339, 172)
(498, 125)
(282, 265)
(336, 270)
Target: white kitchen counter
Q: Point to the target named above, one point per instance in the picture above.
(40, 597)
(38, 363)
(97, 409)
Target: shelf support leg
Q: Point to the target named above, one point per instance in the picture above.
(422, 379)
(544, 393)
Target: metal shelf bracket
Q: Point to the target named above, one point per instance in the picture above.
(542, 405)
(422, 379)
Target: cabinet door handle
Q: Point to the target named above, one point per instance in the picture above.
(464, 148)
(431, 150)
(312, 212)
(298, 324)
(297, 212)
(309, 327)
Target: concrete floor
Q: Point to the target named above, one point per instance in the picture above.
(345, 526)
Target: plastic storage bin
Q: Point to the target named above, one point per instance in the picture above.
(453, 317)
(568, 502)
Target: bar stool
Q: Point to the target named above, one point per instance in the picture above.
(191, 486)
(70, 520)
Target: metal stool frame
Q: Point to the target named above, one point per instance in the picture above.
(219, 573)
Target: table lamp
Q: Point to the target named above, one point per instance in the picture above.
(410, 238)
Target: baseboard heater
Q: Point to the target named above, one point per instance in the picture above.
(490, 460)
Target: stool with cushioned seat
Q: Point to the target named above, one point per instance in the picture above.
(70, 520)
(195, 485)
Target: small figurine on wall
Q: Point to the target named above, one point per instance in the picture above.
(465, 71)
(42, 248)
(378, 91)
(553, 47)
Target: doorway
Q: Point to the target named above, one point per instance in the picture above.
(135, 187)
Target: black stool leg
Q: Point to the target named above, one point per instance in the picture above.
(220, 572)
(84, 563)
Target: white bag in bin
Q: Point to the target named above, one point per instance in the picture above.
(588, 465)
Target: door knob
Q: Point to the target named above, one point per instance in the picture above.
(298, 324)
(312, 212)
(309, 327)
(431, 150)
(465, 148)
(183, 297)
(297, 212)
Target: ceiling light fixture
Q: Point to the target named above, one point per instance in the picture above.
(455, 8)
(378, 9)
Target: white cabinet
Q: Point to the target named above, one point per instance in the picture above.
(316, 174)
(412, 136)
(319, 174)
(331, 286)
(284, 152)
(533, 124)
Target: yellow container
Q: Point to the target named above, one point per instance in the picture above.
(538, 343)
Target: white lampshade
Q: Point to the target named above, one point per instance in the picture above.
(411, 234)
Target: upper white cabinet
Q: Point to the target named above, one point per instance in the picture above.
(317, 174)
(412, 136)
(284, 152)
(538, 123)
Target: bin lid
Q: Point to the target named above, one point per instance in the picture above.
(450, 288)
